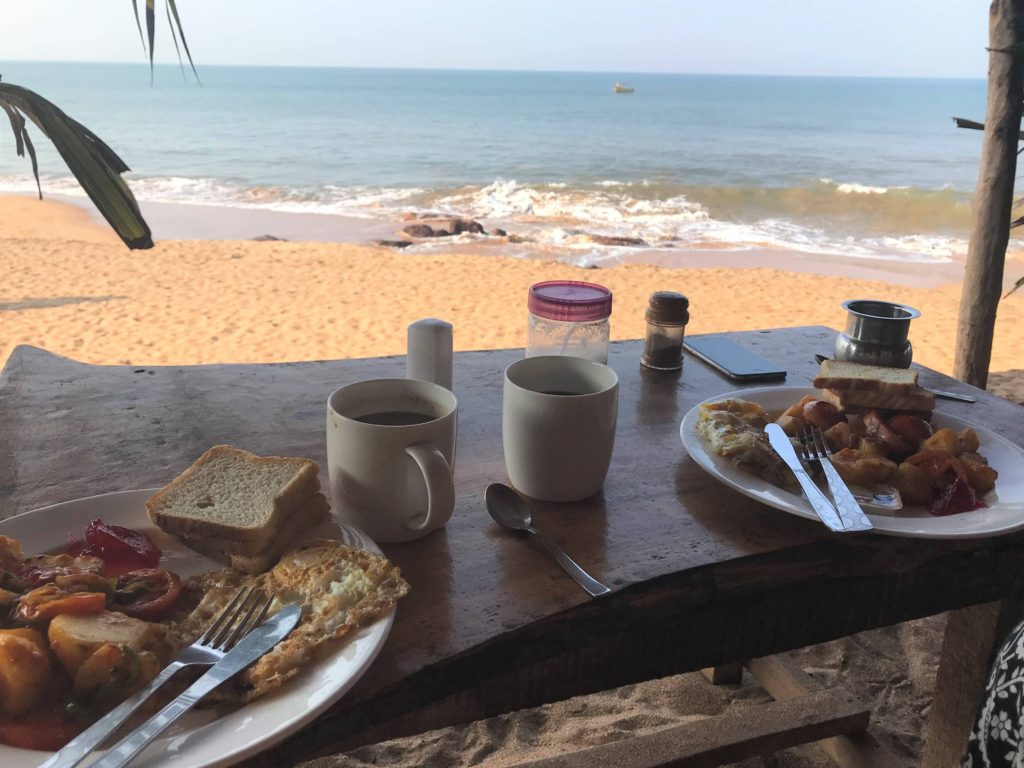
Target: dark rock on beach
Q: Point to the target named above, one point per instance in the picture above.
(443, 227)
(392, 243)
(615, 240)
(499, 232)
(269, 238)
(418, 230)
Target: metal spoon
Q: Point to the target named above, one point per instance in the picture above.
(509, 509)
(937, 392)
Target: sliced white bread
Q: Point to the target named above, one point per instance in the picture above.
(234, 495)
(838, 375)
(292, 529)
(860, 400)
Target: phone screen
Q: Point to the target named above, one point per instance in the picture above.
(734, 361)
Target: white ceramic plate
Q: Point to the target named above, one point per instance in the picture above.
(202, 739)
(1004, 513)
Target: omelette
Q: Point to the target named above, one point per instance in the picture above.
(734, 428)
(339, 588)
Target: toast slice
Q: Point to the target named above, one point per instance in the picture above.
(861, 400)
(307, 517)
(838, 375)
(232, 494)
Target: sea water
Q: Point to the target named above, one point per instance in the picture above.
(871, 168)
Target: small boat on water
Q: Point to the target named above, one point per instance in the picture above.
(620, 88)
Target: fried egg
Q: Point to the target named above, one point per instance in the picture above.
(339, 588)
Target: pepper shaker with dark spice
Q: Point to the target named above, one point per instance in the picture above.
(667, 315)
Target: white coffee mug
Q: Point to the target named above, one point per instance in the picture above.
(558, 426)
(390, 454)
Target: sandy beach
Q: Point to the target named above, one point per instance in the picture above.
(71, 287)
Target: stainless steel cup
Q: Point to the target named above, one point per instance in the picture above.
(876, 333)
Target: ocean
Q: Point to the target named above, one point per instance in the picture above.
(867, 168)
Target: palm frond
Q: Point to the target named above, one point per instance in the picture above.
(174, 21)
(96, 166)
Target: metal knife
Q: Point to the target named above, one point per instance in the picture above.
(937, 392)
(819, 501)
(249, 649)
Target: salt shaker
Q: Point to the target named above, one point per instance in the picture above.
(667, 315)
(429, 353)
(569, 317)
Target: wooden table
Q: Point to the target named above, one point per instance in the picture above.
(701, 575)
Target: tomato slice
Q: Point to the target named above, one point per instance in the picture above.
(116, 544)
(120, 548)
(148, 593)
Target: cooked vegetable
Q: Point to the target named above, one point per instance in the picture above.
(147, 594)
(44, 603)
(44, 569)
(24, 670)
(74, 639)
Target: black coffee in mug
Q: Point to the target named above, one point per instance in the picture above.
(394, 418)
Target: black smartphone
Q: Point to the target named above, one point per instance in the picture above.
(734, 361)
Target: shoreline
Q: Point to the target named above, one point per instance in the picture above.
(194, 222)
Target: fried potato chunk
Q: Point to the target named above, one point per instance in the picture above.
(914, 484)
(945, 440)
(980, 476)
(861, 468)
(25, 670)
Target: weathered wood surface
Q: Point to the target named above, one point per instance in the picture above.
(702, 575)
(727, 738)
(993, 197)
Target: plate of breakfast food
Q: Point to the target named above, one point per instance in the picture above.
(916, 471)
(98, 594)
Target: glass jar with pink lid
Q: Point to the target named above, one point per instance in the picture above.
(569, 317)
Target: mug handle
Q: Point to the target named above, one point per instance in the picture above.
(440, 486)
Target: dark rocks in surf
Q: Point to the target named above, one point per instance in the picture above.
(392, 243)
(499, 232)
(617, 240)
(418, 230)
(443, 228)
(269, 239)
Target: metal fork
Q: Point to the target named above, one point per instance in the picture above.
(245, 611)
(815, 447)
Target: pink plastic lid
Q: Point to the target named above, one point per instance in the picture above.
(570, 301)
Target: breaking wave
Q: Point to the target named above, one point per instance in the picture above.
(821, 216)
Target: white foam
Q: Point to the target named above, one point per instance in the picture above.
(559, 218)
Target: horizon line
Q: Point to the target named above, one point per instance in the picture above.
(616, 73)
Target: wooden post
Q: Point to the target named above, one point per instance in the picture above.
(983, 281)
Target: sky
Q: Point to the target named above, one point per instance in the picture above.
(868, 38)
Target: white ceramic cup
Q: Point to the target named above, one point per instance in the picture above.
(558, 446)
(392, 480)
